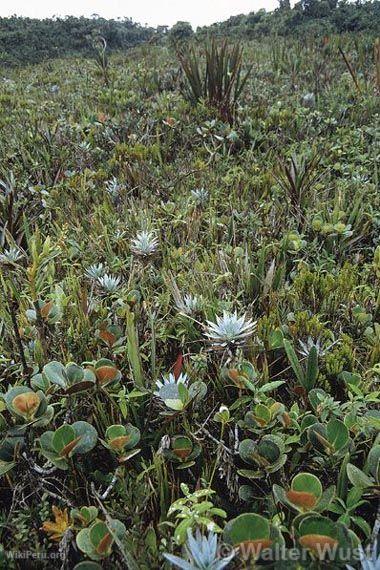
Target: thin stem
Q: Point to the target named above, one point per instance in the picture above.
(217, 456)
(13, 310)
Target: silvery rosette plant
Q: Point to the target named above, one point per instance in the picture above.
(144, 244)
(175, 393)
(109, 284)
(229, 330)
(200, 196)
(95, 271)
(201, 553)
(188, 304)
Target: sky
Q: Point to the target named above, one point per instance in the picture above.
(151, 12)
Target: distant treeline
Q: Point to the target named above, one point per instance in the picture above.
(311, 17)
(26, 40)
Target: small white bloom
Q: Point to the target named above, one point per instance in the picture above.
(171, 379)
(229, 329)
(145, 243)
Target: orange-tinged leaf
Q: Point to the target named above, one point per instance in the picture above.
(57, 528)
(70, 446)
(286, 419)
(234, 375)
(108, 337)
(302, 499)
(46, 308)
(254, 547)
(182, 452)
(119, 442)
(260, 421)
(178, 366)
(317, 542)
(105, 543)
(106, 374)
(26, 404)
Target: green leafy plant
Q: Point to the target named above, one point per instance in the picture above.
(306, 377)
(70, 378)
(28, 406)
(11, 444)
(182, 451)
(266, 415)
(122, 440)
(298, 179)
(268, 454)
(195, 509)
(369, 479)
(251, 534)
(347, 510)
(84, 515)
(305, 494)
(96, 541)
(330, 439)
(67, 441)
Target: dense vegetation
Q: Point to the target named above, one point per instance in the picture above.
(189, 310)
(307, 17)
(26, 40)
